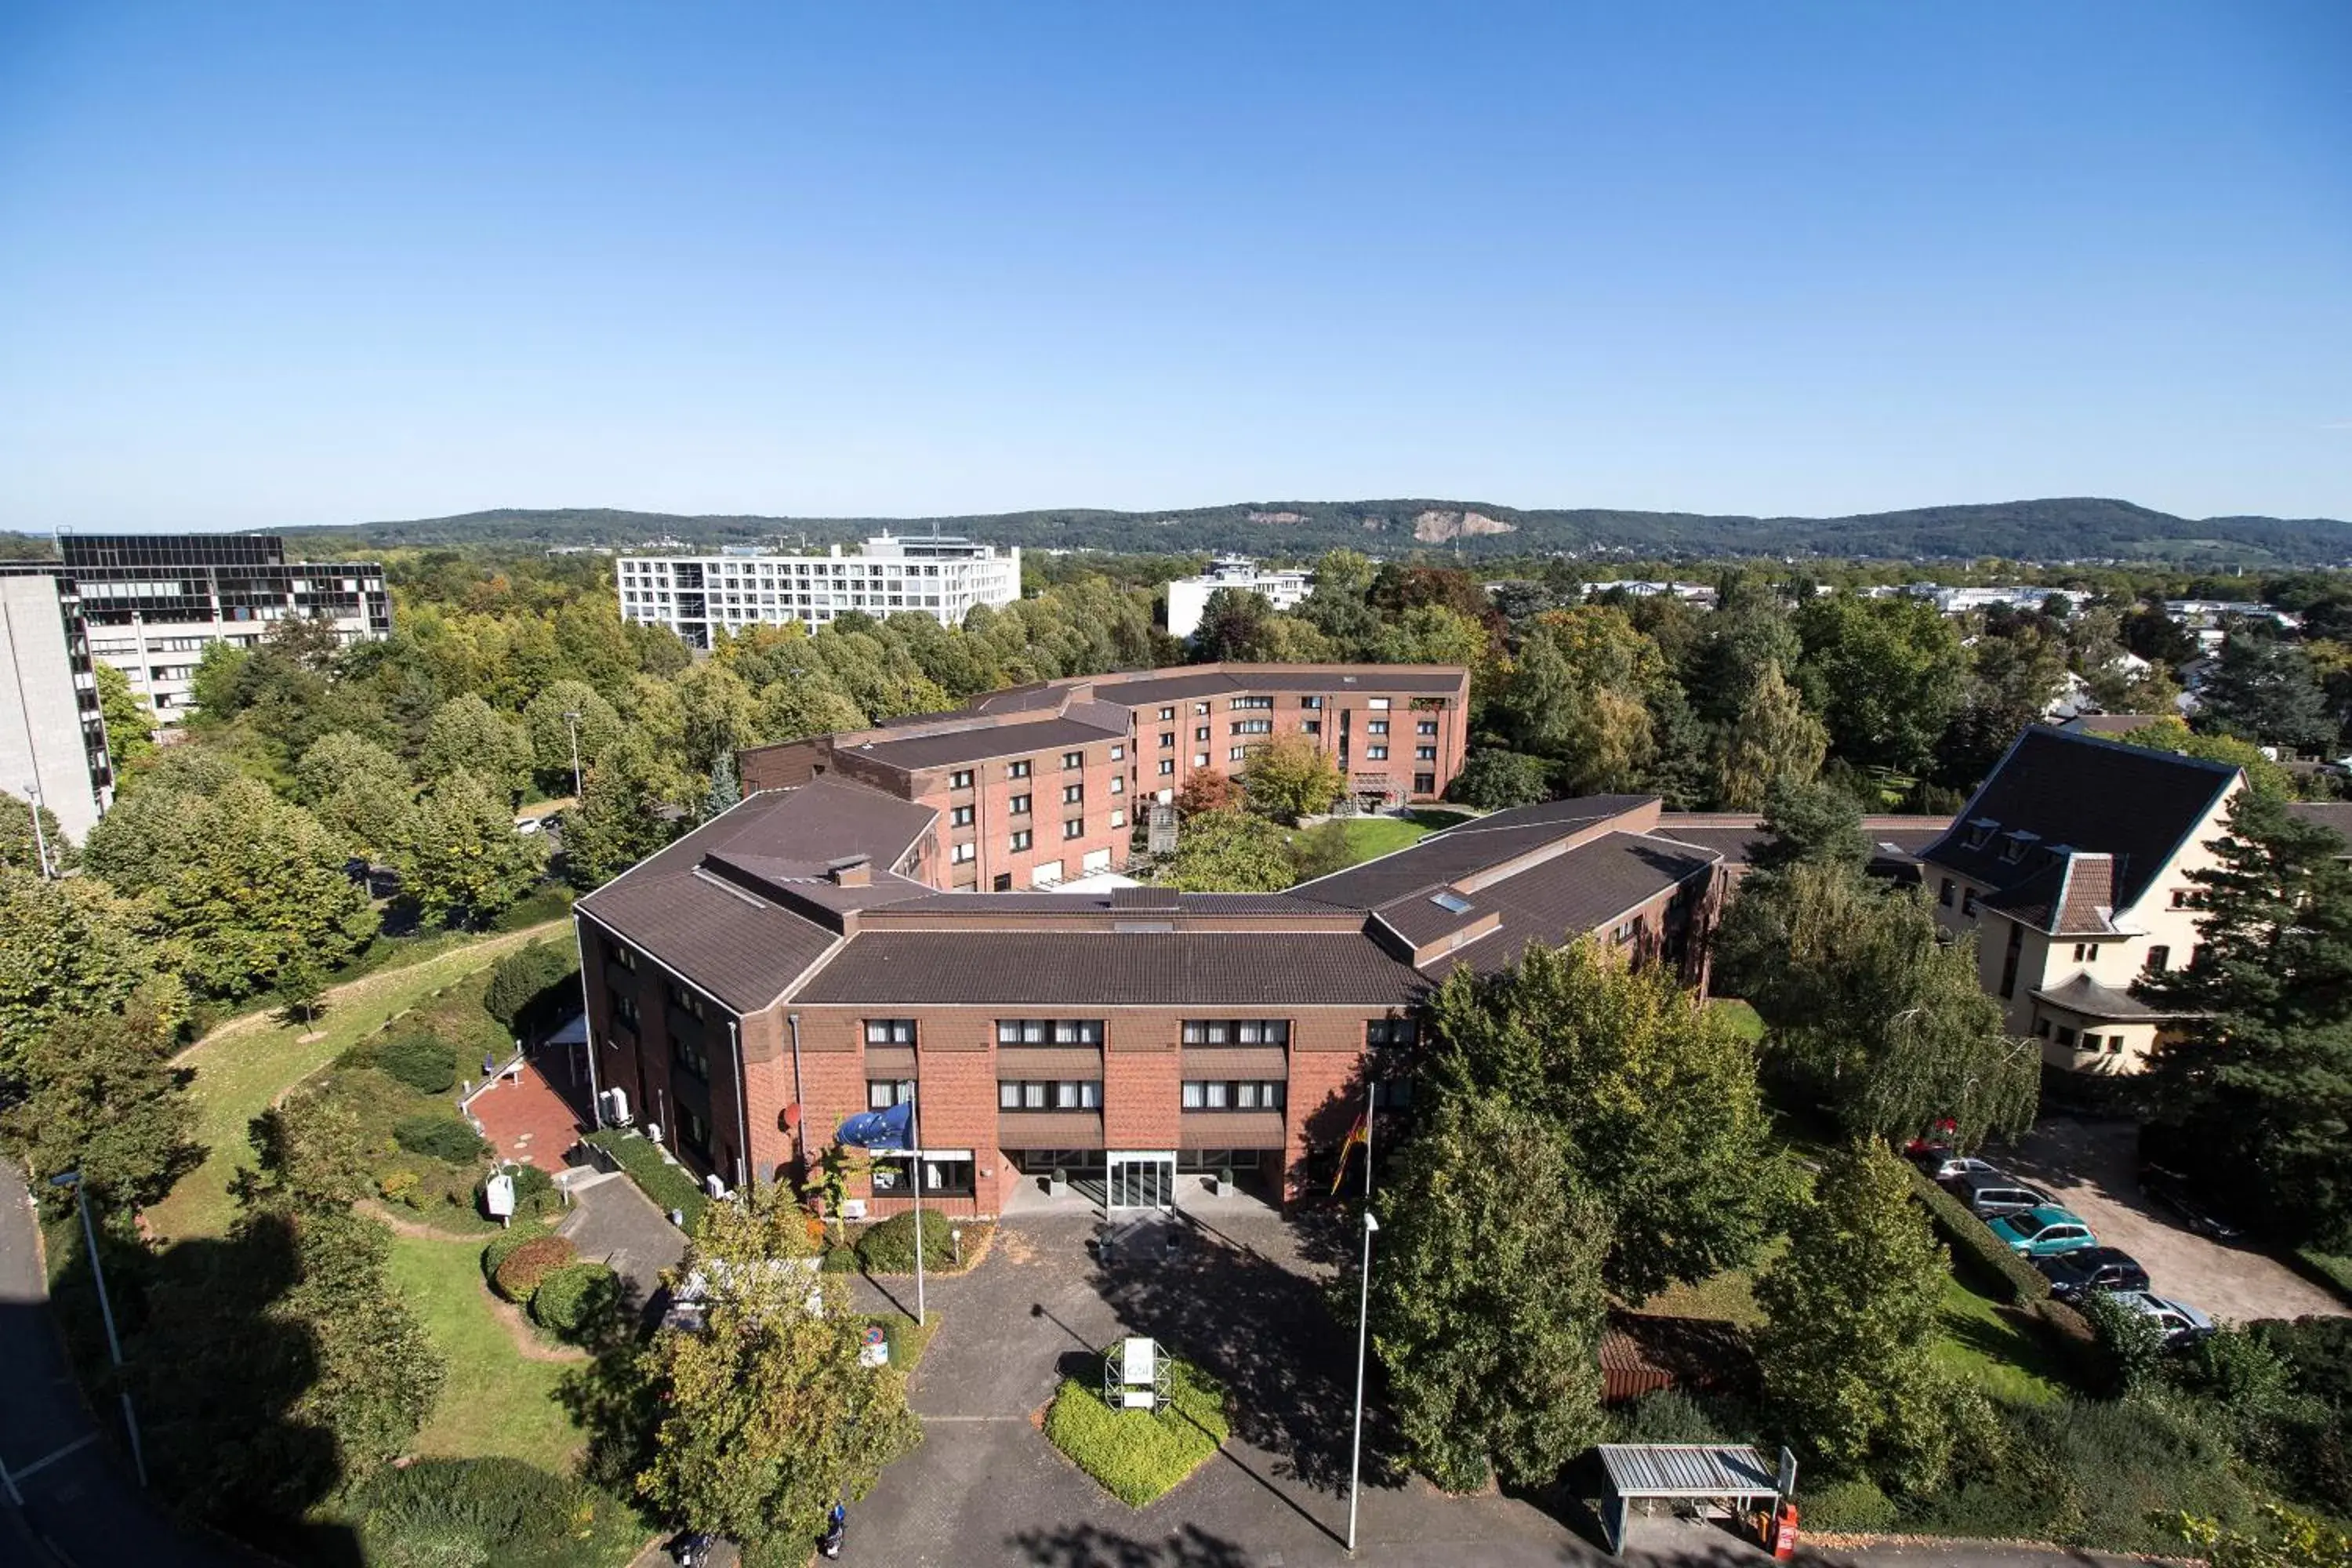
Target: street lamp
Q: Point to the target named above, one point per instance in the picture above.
(1363, 1328)
(572, 723)
(40, 835)
(106, 1307)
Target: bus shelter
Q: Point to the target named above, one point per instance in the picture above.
(1730, 1475)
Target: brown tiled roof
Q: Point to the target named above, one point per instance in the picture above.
(1579, 891)
(1112, 969)
(979, 742)
(2075, 791)
(2335, 816)
(1058, 905)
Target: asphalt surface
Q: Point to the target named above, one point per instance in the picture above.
(65, 1502)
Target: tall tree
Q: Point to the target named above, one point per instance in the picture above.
(1578, 692)
(2265, 691)
(70, 948)
(768, 1414)
(620, 822)
(1487, 1300)
(21, 848)
(471, 736)
(129, 722)
(357, 788)
(596, 727)
(725, 790)
(1494, 780)
(2171, 733)
(1770, 738)
(1229, 852)
(1291, 777)
(1235, 624)
(1652, 1097)
(1849, 1313)
(2259, 1073)
(2011, 681)
(101, 1098)
(458, 854)
(1885, 675)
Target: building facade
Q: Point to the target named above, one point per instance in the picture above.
(941, 576)
(1189, 596)
(52, 737)
(2070, 868)
(1044, 784)
(787, 965)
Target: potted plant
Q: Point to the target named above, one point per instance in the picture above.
(1058, 1183)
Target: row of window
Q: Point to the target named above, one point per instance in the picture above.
(1196, 1031)
(964, 854)
(1086, 1094)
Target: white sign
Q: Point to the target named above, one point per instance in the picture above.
(497, 1193)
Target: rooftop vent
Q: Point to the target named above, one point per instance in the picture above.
(851, 871)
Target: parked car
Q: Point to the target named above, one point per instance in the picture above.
(2181, 1322)
(2074, 1275)
(2044, 1232)
(2191, 1207)
(1941, 1164)
(1991, 1194)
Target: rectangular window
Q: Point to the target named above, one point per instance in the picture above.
(1424, 784)
(1022, 841)
(690, 1056)
(1049, 1031)
(962, 853)
(1119, 784)
(1229, 1094)
(1200, 709)
(882, 1093)
(2182, 897)
(1379, 704)
(959, 779)
(1243, 1031)
(959, 816)
(1119, 754)
(1253, 726)
(1969, 902)
(1019, 770)
(1376, 753)
(1167, 715)
(1118, 819)
(1018, 806)
(1424, 754)
(692, 1129)
(1311, 727)
(1251, 703)
(890, 1031)
(1944, 893)
(684, 1000)
(1201, 732)
(624, 1008)
(1425, 727)
(1377, 726)
(2065, 1035)
(2089, 1042)
(1310, 702)
(2159, 959)
(1166, 766)
(1239, 753)
(1167, 741)
(1072, 760)
(1075, 827)
(1391, 1032)
(1073, 793)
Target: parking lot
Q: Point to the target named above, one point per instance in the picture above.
(2091, 1167)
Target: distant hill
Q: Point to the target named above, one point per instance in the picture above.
(2081, 529)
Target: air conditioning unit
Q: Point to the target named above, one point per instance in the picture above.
(614, 1103)
(714, 1186)
(653, 1131)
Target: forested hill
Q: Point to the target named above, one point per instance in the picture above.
(2082, 528)
(2033, 530)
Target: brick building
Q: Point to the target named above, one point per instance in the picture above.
(790, 963)
(1042, 783)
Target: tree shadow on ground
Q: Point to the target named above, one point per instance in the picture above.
(1259, 1329)
(1091, 1546)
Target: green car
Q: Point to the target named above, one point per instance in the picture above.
(2043, 1232)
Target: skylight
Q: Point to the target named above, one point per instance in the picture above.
(1452, 903)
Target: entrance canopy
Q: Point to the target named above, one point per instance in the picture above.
(1732, 1474)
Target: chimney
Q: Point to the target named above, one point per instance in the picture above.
(851, 871)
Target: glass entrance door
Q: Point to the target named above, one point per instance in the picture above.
(1140, 1180)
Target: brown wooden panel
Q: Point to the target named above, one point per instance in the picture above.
(1236, 1062)
(1049, 1130)
(1049, 1062)
(1230, 1130)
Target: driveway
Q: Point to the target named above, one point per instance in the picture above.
(614, 1224)
(986, 1488)
(2092, 1167)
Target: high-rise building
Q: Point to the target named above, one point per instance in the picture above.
(1189, 596)
(147, 605)
(942, 577)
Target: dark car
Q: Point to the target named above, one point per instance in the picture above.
(1989, 1194)
(2178, 1194)
(2073, 1274)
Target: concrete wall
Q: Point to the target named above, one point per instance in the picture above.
(42, 740)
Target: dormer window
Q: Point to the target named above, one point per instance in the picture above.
(2019, 842)
(1981, 832)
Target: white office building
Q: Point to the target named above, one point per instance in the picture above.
(941, 576)
(52, 741)
(1188, 597)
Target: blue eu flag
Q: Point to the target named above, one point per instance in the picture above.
(889, 1128)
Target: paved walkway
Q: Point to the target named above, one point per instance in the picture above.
(613, 1223)
(526, 1118)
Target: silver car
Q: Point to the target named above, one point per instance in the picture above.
(1989, 1194)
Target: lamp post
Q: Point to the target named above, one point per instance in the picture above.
(1363, 1329)
(40, 835)
(572, 723)
(106, 1309)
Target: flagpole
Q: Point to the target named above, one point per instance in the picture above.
(915, 1130)
(1363, 1320)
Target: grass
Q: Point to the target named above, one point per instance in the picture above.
(907, 1341)
(2327, 1269)
(243, 1067)
(1139, 1456)
(496, 1400)
(1742, 1017)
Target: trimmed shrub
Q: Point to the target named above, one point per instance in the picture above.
(495, 1511)
(1850, 1508)
(439, 1138)
(527, 982)
(504, 1245)
(425, 1062)
(576, 1300)
(1139, 1455)
(889, 1247)
(670, 1186)
(1972, 1241)
(522, 1270)
(399, 1187)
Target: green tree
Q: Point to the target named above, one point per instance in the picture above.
(2171, 733)
(1291, 777)
(1849, 1312)
(619, 822)
(1229, 852)
(598, 726)
(1652, 1096)
(796, 708)
(1495, 780)
(243, 879)
(1885, 675)
(769, 1416)
(1235, 624)
(70, 948)
(20, 847)
(458, 854)
(220, 673)
(301, 986)
(1578, 693)
(720, 714)
(1770, 738)
(467, 735)
(357, 788)
(2259, 1072)
(129, 722)
(725, 791)
(1487, 1300)
(100, 1097)
(2011, 681)
(1807, 821)
(1431, 634)
(2263, 689)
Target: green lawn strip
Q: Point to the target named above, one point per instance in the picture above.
(1743, 1018)
(241, 1070)
(907, 1341)
(2326, 1269)
(1139, 1456)
(496, 1400)
(1370, 836)
(1986, 1345)
(669, 1187)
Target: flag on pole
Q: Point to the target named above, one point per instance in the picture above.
(889, 1128)
(1361, 1132)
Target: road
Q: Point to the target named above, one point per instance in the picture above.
(64, 1501)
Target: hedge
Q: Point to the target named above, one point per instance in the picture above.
(498, 1511)
(670, 1186)
(425, 1062)
(1139, 1455)
(888, 1247)
(440, 1138)
(574, 1300)
(504, 1245)
(520, 1275)
(1970, 1238)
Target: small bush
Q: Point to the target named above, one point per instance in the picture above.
(1848, 1508)
(889, 1247)
(1974, 1243)
(425, 1062)
(1137, 1455)
(496, 1510)
(439, 1138)
(399, 1187)
(1672, 1415)
(504, 1245)
(522, 1270)
(576, 1301)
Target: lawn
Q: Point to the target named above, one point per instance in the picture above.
(496, 1400)
(1370, 836)
(1743, 1018)
(1985, 1346)
(1139, 1456)
(241, 1066)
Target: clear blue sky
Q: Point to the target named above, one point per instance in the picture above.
(268, 264)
